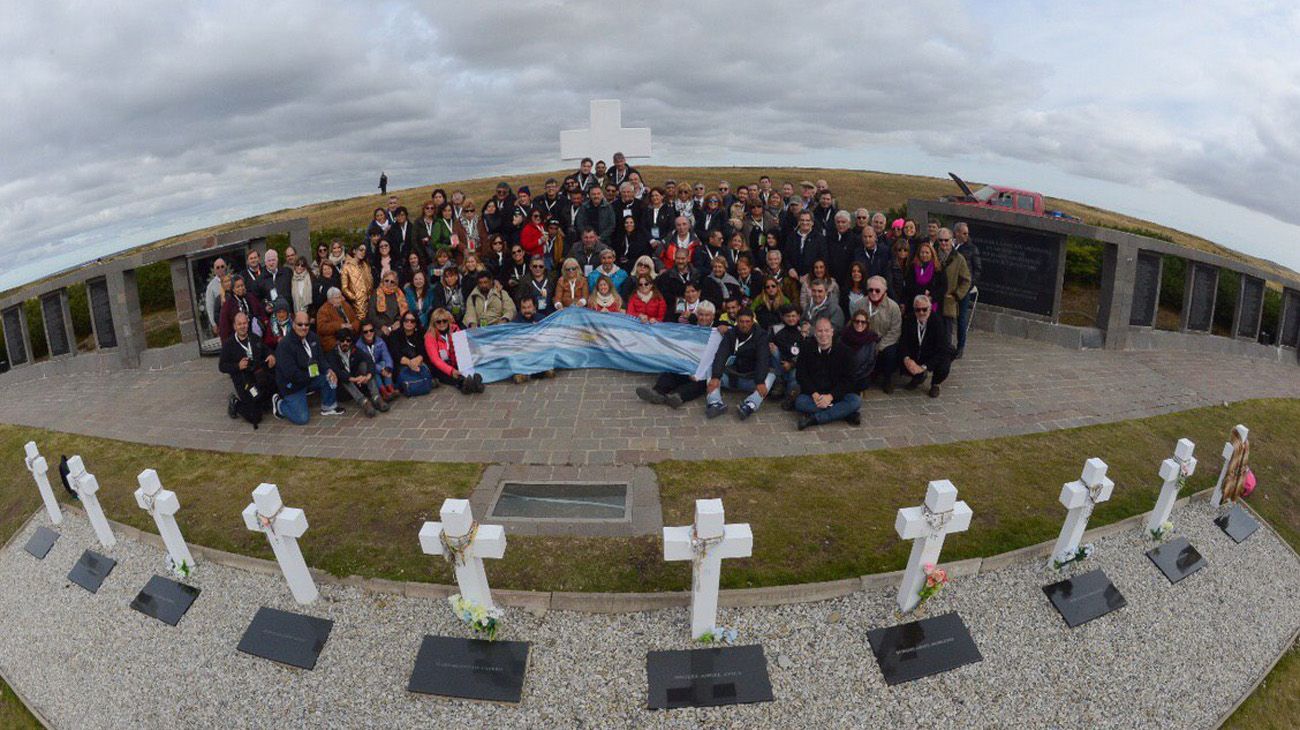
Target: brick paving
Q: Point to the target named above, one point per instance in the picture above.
(1004, 386)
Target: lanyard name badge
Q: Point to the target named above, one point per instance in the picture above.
(313, 369)
(541, 296)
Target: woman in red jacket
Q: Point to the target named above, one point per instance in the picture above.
(646, 303)
(531, 237)
(442, 353)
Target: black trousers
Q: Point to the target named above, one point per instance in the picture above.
(685, 387)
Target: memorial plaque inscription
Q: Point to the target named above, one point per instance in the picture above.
(14, 336)
(1019, 267)
(101, 312)
(55, 330)
(1205, 282)
(1291, 322)
(1146, 290)
(1252, 298)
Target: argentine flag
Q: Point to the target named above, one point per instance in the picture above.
(581, 338)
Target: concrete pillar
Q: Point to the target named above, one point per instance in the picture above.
(18, 341)
(300, 238)
(57, 318)
(128, 323)
(181, 289)
(1118, 277)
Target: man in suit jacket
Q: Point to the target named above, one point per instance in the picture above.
(401, 235)
(872, 253)
(275, 283)
(804, 246)
(924, 346)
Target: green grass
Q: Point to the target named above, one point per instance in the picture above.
(1276, 704)
(13, 713)
(816, 518)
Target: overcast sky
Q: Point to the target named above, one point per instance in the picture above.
(127, 122)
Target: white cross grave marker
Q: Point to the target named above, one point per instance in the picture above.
(1243, 433)
(605, 136)
(1171, 470)
(283, 526)
(163, 505)
(706, 543)
(86, 485)
(465, 543)
(1080, 497)
(927, 526)
(40, 472)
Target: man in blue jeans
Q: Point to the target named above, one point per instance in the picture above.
(825, 373)
(300, 368)
(743, 362)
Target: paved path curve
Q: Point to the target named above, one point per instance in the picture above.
(1004, 386)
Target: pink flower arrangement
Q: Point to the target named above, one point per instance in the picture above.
(935, 579)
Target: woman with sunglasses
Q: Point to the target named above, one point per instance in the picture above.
(413, 375)
(442, 354)
(374, 346)
(515, 272)
(571, 288)
(767, 305)
(898, 271)
(861, 342)
(387, 305)
(532, 234)
(646, 303)
(358, 281)
(322, 253)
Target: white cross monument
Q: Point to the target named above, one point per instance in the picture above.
(40, 472)
(706, 543)
(163, 505)
(1171, 471)
(605, 136)
(1080, 497)
(86, 485)
(465, 543)
(927, 526)
(283, 526)
(1243, 433)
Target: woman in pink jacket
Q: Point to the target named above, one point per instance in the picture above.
(442, 354)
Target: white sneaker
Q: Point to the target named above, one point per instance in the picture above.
(335, 411)
(275, 406)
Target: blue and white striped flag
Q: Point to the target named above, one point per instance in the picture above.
(582, 338)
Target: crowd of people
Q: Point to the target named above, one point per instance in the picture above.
(815, 303)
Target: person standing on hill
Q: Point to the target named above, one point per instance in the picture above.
(383, 183)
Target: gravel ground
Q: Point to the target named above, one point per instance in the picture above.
(1176, 656)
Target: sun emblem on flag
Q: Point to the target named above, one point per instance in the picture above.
(588, 336)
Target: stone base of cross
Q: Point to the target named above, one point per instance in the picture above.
(1080, 497)
(87, 488)
(163, 505)
(1172, 472)
(1243, 435)
(706, 543)
(40, 472)
(927, 526)
(282, 527)
(464, 543)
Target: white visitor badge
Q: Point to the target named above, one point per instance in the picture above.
(253, 391)
(541, 304)
(587, 269)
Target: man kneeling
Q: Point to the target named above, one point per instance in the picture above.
(825, 373)
(743, 362)
(355, 372)
(299, 367)
(924, 346)
(674, 389)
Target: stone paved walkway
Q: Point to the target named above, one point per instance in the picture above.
(1004, 386)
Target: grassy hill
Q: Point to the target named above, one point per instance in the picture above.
(853, 188)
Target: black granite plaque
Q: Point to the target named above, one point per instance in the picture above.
(40, 542)
(165, 599)
(731, 675)
(56, 333)
(287, 638)
(1177, 559)
(1084, 597)
(1291, 319)
(472, 669)
(1252, 298)
(91, 570)
(14, 344)
(101, 312)
(1146, 289)
(1205, 282)
(1019, 267)
(1238, 524)
(922, 648)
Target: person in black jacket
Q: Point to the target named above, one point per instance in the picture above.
(964, 246)
(804, 246)
(743, 362)
(275, 283)
(400, 235)
(923, 346)
(825, 373)
(355, 372)
(250, 367)
(299, 368)
(785, 339)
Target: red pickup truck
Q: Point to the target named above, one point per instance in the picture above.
(1012, 199)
